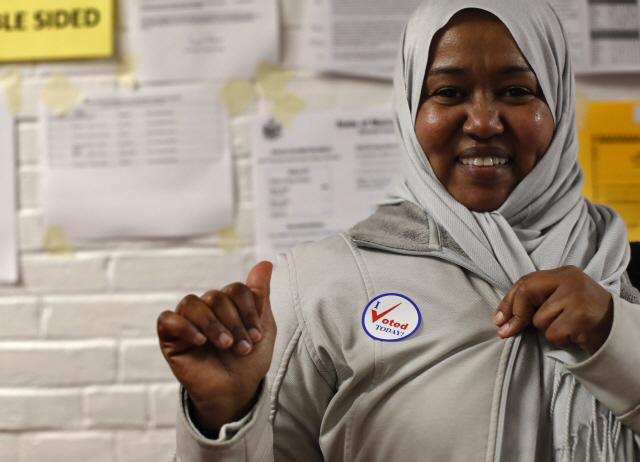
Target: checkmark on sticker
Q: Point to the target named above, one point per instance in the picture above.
(375, 316)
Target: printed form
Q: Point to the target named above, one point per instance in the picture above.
(204, 39)
(320, 176)
(354, 37)
(8, 247)
(603, 35)
(153, 162)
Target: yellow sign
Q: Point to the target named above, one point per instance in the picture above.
(33, 30)
(610, 158)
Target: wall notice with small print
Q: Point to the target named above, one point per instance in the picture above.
(37, 30)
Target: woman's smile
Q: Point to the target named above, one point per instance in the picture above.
(483, 122)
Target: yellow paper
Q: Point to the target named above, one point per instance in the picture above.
(59, 94)
(63, 29)
(236, 95)
(610, 158)
(10, 81)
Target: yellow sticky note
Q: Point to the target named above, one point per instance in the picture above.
(55, 242)
(610, 158)
(10, 81)
(237, 94)
(65, 29)
(59, 94)
(285, 108)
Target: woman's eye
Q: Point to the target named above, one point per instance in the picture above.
(448, 93)
(517, 91)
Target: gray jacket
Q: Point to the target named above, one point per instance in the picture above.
(451, 391)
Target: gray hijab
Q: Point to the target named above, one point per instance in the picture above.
(545, 222)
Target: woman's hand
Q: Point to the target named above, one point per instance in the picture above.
(219, 347)
(570, 308)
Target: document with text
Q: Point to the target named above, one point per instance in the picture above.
(206, 39)
(360, 37)
(320, 176)
(603, 36)
(8, 238)
(147, 163)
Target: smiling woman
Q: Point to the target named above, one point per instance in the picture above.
(483, 121)
(387, 346)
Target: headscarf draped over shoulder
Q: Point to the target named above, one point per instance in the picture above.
(545, 222)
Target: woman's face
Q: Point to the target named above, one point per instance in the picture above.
(483, 122)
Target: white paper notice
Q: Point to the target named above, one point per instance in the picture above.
(204, 39)
(320, 176)
(153, 162)
(8, 248)
(356, 37)
(603, 35)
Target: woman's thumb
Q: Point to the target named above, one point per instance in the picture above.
(259, 280)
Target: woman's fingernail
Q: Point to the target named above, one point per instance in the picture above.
(499, 317)
(200, 338)
(243, 347)
(254, 334)
(225, 339)
(504, 329)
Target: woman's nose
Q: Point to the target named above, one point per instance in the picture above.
(483, 120)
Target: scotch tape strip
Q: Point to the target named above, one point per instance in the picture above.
(229, 239)
(55, 242)
(286, 106)
(236, 95)
(10, 82)
(126, 69)
(265, 68)
(59, 94)
(272, 79)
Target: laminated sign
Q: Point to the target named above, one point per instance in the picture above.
(33, 30)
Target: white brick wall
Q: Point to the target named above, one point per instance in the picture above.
(81, 375)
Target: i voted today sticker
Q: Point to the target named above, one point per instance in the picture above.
(390, 317)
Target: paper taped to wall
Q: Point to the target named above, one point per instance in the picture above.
(185, 40)
(153, 162)
(610, 158)
(320, 176)
(8, 245)
(360, 37)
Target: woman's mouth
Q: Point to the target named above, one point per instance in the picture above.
(483, 161)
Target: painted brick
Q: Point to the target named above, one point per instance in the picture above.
(190, 270)
(118, 315)
(29, 187)
(142, 361)
(55, 274)
(31, 229)
(164, 404)
(33, 409)
(150, 446)
(28, 149)
(117, 406)
(68, 447)
(9, 447)
(57, 363)
(19, 318)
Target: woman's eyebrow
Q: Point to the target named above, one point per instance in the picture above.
(452, 70)
(516, 68)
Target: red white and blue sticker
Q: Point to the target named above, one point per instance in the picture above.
(391, 317)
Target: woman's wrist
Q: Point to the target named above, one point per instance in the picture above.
(209, 418)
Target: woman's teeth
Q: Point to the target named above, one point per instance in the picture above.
(483, 161)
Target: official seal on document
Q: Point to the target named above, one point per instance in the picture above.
(391, 317)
